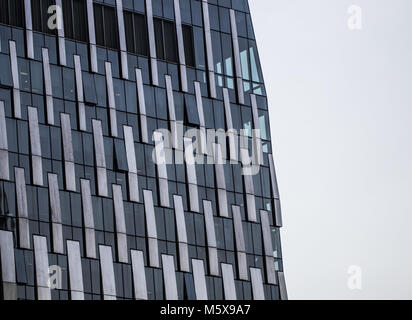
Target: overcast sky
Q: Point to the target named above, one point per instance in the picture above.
(341, 117)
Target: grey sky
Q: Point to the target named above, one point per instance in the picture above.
(341, 113)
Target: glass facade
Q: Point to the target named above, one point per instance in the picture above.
(86, 211)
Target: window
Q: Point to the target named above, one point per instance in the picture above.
(251, 70)
(188, 44)
(75, 22)
(136, 33)
(11, 12)
(40, 16)
(106, 26)
(166, 40)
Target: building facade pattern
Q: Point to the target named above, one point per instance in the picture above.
(85, 213)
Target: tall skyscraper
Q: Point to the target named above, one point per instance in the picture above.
(135, 153)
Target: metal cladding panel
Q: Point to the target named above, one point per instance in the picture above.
(222, 199)
(67, 137)
(80, 92)
(240, 243)
(29, 29)
(60, 33)
(257, 284)
(170, 98)
(140, 92)
(139, 275)
(107, 273)
(100, 158)
(4, 165)
(267, 234)
(209, 49)
(257, 133)
(180, 45)
(54, 196)
(42, 267)
(211, 238)
(181, 234)
(16, 81)
(274, 182)
(219, 169)
(92, 35)
(278, 213)
(88, 218)
(4, 155)
(22, 209)
(142, 106)
(184, 257)
(3, 128)
(228, 109)
(133, 187)
(34, 131)
(199, 279)
(210, 224)
(75, 270)
(238, 67)
(282, 286)
(35, 146)
(122, 38)
(79, 78)
(87, 204)
(151, 229)
(228, 282)
(120, 224)
(8, 267)
(169, 277)
(270, 270)
(199, 104)
(119, 209)
(48, 86)
(111, 99)
(152, 42)
(130, 150)
(150, 215)
(237, 219)
(180, 219)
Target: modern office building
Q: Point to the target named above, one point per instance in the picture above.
(88, 209)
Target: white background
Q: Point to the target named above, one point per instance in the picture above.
(341, 120)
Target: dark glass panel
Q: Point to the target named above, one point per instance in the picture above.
(16, 8)
(158, 28)
(36, 15)
(98, 23)
(4, 11)
(170, 40)
(80, 21)
(188, 44)
(141, 37)
(68, 19)
(111, 35)
(128, 28)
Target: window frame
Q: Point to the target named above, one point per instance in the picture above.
(133, 16)
(163, 55)
(19, 20)
(43, 17)
(103, 27)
